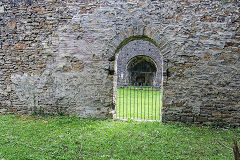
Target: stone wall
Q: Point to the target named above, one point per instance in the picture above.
(58, 55)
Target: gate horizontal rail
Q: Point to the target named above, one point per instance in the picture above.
(139, 102)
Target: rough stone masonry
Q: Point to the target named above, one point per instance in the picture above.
(58, 56)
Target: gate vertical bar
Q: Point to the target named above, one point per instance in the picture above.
(123, 100)
(159, 92)
(141, 103)
(148, 102)
(144, 102)
(152, 102)
(137, 101)
(134, 114)
(130, 102)
(156, 104)
(126, 95)
(117, 102)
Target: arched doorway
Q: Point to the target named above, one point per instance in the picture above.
(139, 81)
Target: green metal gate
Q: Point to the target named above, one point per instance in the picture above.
(139, 102)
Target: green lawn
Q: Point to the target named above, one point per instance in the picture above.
(139, 103)
(28, 137)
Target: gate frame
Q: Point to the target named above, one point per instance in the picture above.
(129, 86)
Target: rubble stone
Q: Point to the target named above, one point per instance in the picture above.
(59, 56)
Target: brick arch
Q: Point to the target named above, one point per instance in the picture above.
(154, 35)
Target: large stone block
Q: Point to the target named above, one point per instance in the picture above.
(12, 24)
(2, 9)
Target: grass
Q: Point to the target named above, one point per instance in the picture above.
(29, 137)
(139, 103)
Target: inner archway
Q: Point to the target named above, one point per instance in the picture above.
(141, 71)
